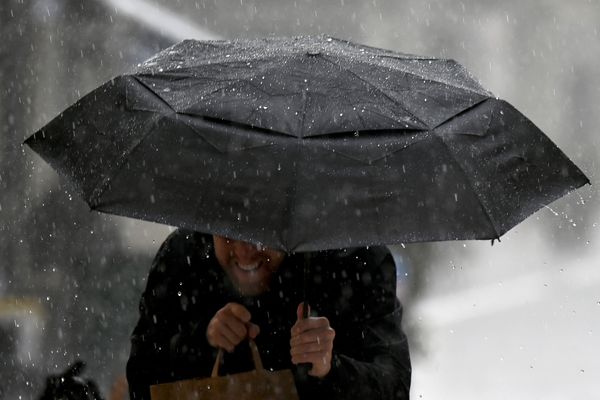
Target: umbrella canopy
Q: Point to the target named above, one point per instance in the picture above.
(306, 143)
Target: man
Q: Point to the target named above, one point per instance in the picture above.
(208, 292)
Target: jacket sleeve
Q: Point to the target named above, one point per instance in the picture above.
(381, 370)
(167, 344)
(371, 358)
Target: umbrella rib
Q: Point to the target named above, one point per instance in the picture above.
(214, 146)
(371, 161)
(445, 83)
(101, 188)
(480, 89)
(464, 173)
(463, 112)
(149, 89)
(394, 101)
(232, 83)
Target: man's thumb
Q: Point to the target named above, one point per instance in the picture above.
(300, 311)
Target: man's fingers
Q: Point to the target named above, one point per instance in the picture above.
(232, 335)
(237, 327)
(308, 324)
(224, 343)
(253, 330)
(223, 322)
(311, 342)
(230, 325)
(223, 336)
(239, 311)
(315, 336)
(218, 336)
(313, 347)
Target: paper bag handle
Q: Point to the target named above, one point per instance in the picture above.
(255, 357)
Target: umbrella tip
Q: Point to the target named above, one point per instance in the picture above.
(496, 238)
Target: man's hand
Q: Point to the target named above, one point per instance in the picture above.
(312, 342)
(230, 325)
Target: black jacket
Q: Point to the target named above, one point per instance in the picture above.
(353, 288)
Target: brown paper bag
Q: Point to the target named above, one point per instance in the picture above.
(258, 384)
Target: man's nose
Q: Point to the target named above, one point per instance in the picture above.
(245, 252)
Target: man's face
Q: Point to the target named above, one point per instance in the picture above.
(249, 267)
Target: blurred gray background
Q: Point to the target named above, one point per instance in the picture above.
(518, 320)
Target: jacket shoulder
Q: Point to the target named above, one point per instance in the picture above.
(180, 250)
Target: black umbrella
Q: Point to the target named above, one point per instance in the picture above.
(306, 143)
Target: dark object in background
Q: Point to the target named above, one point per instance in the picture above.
(306, 143)
(69, 386)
